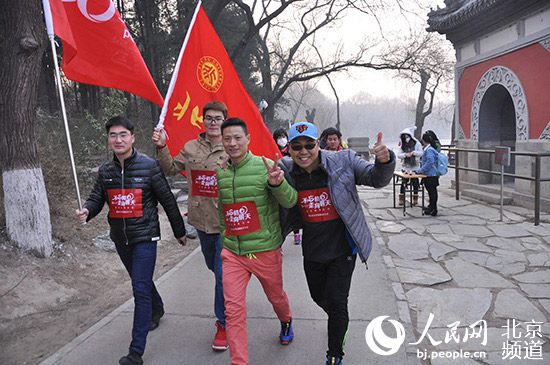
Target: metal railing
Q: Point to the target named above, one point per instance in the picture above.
(537, 178)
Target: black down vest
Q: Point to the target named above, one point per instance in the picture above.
(132, 194)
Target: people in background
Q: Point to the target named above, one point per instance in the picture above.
(333, 139)
(410, 151)
(435, 139)
(429, 161)
(281, 138)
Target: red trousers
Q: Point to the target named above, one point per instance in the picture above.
(237, 270)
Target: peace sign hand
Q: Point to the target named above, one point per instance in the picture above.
(275, 175)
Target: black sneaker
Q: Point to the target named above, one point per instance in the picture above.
(155, 319)
(331, 360)
(133, 358)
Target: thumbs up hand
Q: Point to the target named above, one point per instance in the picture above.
(380, 150)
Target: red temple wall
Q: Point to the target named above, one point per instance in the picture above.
(531, 65)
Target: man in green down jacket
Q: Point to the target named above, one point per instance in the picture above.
(249, 193)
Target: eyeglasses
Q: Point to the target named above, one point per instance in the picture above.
(122, 135)
(298, 147)
(217, 120)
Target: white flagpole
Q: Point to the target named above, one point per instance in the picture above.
(160, 124)
(51, 35)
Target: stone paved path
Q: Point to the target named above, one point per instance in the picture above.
(465, 266)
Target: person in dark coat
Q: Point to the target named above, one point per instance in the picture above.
(132, 184)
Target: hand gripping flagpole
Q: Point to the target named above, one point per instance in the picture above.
(51, 35)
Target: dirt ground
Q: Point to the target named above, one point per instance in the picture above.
(45, 303)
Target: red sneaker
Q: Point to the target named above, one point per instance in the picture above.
(220, 341)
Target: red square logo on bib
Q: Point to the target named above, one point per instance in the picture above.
(316, 205)
(204, 183)
(241, 218)
(125, 203)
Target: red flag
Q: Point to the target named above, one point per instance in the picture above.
(98, 49)
(204, 73)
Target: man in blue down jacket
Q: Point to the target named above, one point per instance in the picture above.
(330, 214)
(132, 184)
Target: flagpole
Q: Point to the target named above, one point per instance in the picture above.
(174, 78)
(51, 36)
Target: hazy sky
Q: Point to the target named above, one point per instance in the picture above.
(355, 27)
(379, 101)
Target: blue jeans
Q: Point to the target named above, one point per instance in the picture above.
(211, 247)
(139, 261)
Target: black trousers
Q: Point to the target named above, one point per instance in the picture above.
(415, 185)
(431, 183)
(329, 284)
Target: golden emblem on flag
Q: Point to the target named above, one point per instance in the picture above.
(210, 74)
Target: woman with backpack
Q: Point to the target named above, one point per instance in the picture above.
(435, 139)
(429, 168)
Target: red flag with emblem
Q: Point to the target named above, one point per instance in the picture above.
(98, 49)
(204, 73)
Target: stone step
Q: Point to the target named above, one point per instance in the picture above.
(489, 188)
(486, 196)
(518, 198)
(529, 201)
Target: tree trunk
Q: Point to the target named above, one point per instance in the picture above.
(90, 98)
(147, 14)
(337, 102)
(268, 114)
(215, 9)
(310, 116)
(46, 87)
(26, 204)
(420, 104)
(77, 101)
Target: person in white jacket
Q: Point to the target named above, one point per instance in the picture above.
(410, 151)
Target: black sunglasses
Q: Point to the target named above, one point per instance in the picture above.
(298, 147)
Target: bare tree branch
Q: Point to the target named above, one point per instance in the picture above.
(253, 29)
(282, 64)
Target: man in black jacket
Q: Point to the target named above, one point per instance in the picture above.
(131, 184)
